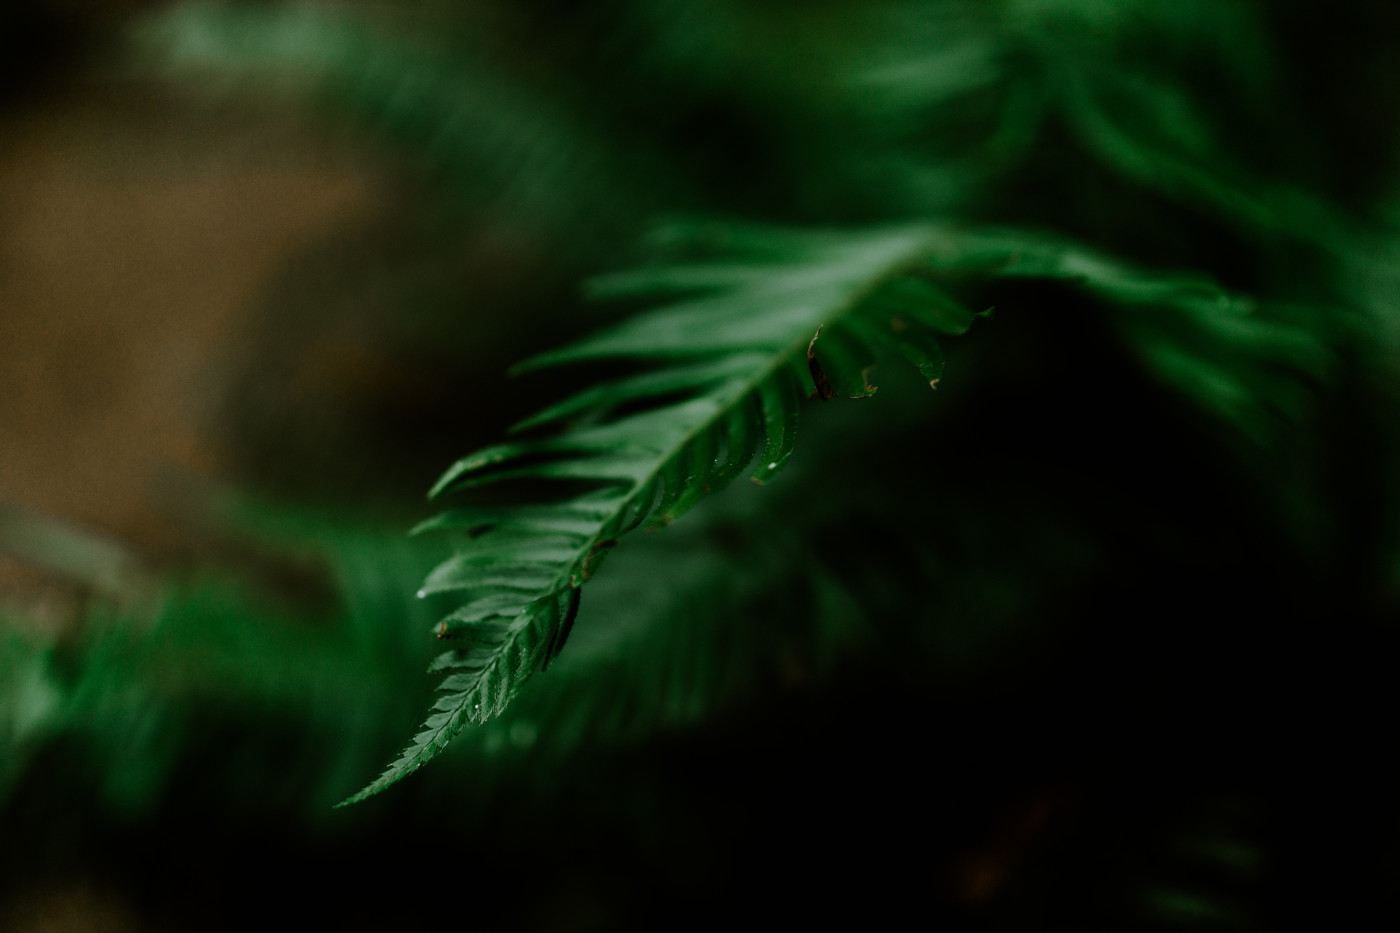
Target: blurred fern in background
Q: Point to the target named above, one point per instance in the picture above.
(1095, 636)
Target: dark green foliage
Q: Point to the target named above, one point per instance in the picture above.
(1076, 624)
(726, 370)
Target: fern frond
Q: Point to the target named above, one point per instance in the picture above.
(731, 361)
(737, 358)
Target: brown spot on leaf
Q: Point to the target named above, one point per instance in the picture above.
(587, 570)
(867, 389)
